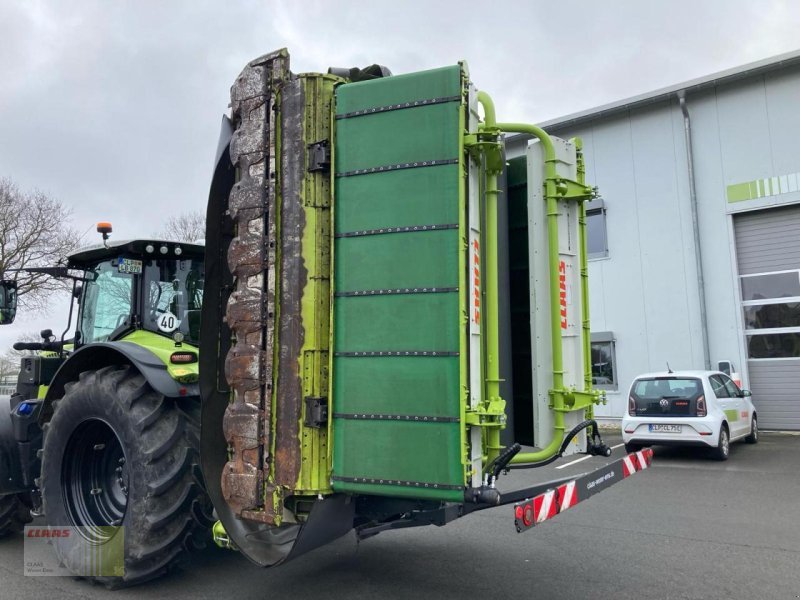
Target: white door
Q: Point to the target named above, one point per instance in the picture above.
(729, 402)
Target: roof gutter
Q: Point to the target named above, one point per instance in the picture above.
(701, 84)
(698, 255)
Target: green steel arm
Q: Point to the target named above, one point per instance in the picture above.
(493, 445)
(555, 325)
(587, 344)
(562, 400)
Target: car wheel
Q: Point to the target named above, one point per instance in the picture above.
(631, 448)
(753, 437)
(723, 449)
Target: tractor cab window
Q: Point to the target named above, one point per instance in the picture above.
(173, 297)
(107, 303)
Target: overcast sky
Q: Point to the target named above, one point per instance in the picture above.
(113, 107)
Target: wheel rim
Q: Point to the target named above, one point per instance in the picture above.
(755, 428)
(95, 480)
(724, 442)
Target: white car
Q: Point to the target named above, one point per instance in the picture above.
(699, 408)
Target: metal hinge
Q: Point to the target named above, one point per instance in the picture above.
(319, 157)
(316, 411)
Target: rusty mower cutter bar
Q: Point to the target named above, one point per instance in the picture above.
(354, 319)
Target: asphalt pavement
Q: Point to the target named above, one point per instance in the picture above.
(690, 527)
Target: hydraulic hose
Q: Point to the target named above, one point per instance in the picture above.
(596, 446)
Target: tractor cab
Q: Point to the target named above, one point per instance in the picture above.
(132, 285)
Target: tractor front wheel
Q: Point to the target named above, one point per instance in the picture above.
(120, 459)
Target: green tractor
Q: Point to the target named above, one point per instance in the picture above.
(104, 428)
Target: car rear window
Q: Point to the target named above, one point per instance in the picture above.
(670, 387)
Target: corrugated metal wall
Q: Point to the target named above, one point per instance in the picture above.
(775, 386)
(768, 241)
(645, 292)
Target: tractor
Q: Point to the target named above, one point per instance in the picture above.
(104, 427)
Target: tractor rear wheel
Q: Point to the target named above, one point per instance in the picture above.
(15, 513)
(117, 454)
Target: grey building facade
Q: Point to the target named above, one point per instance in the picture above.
(695, 243)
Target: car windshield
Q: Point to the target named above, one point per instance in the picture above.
(667, 387)
(174, 296)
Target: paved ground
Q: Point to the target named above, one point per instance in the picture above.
(689, 528)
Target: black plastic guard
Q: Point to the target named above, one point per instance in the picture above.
(11, 480)
(329, 520)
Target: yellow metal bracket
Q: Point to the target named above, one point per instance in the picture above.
(567, 189)
(573, 399)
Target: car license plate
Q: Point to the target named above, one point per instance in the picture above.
(665, 428)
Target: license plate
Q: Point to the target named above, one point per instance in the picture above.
(665, 428)
(129, 265)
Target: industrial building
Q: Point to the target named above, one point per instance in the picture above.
(694, 243)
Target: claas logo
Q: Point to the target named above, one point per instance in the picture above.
(44, 532)
(562, 285)
(476, 282)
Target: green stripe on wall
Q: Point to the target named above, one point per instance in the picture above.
(763, 188)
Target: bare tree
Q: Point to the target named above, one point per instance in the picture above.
(186, 227)
(9, 368)
(34, 232)
(10, 361)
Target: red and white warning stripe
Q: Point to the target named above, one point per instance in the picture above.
(629, 464)
(545, 506)
(548, 504)
(567, 496)
(637, 461)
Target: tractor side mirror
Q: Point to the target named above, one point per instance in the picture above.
(8, 301)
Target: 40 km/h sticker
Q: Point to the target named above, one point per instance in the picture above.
(167, 322)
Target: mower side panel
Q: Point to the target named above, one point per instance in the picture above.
(399, 364)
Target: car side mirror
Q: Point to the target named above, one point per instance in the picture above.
(746, 393)
(8, 301)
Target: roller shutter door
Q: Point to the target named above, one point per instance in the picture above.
(768, 256)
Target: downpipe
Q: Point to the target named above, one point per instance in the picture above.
(698, 255)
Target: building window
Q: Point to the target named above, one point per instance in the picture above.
(771, 305)
(604, 361)
(596, 238)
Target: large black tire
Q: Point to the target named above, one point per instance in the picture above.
(116, 452)
(15, 513)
